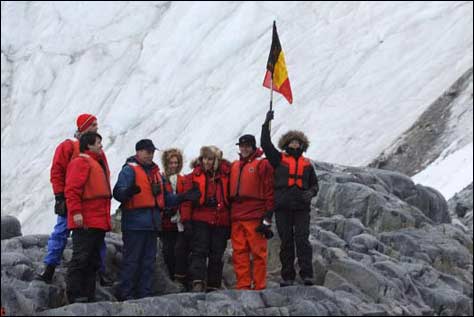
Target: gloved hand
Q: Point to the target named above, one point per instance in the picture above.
(188, 229)
(170, 212)
(191, 195)
(270, 116)
(155, 189)
(211, 202)
(265, 228)
(133, 190)
(60, 208)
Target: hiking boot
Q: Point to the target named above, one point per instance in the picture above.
(181, 282)
(104, 281)
(47, 275)
(286, 283)
(198, 287)
(308, 281)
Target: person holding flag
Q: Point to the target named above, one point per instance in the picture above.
(295, 180)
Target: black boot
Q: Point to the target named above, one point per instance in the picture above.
(104, 280)
(47, 275)
(198, 286)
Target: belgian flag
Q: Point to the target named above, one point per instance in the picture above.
(276, 67)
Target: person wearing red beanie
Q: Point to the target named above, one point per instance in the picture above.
(86, 121)
(65, 152)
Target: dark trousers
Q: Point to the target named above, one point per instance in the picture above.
(138, 264)
(168, 243)
(208, 245)
(182, 253)
(293, 227)
(81, 273)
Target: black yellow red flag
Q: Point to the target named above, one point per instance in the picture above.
(276, 69)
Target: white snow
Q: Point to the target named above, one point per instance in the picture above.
(189, 74)
(449, 174)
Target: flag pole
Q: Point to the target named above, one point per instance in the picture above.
(271, 100)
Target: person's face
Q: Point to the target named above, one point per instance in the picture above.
(97, 147)
(94, 127)
(146, 156)
(208, 163)
(245, 150)
(173, 165)
(295, 144)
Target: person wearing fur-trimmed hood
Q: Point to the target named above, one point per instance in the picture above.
(296, 184)
(207, 222)
(175, 247)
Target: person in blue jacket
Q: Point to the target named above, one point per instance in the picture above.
(141, 190)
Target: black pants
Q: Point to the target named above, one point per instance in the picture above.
(293, 227)
(209, 243)
(182, 253)
(168, 243)
(85, 262)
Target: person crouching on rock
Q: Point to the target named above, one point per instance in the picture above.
(207, 222)
(295, 186)
(88, 196)
(251, 196)
(142, 191)
(175, 246)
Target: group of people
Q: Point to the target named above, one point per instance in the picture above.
(193, 215)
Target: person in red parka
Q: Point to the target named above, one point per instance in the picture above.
(65, 152)
(88, 196)
(251, 196)
(175, 247)
(207, 222)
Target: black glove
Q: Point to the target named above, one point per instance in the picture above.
(191, 195)
(227, 233)
(60, 205)
(265, 228)
(269, 117)
(188, 229)
(155, 189)
(170, 212)
(211, 202)
(133, 190)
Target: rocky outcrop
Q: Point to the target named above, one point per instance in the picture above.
(381, 246)
(11, 227)
(433, 132)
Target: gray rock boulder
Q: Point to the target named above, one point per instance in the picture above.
(11, 227)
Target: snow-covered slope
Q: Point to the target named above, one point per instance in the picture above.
(189, 74)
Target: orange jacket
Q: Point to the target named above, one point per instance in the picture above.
(145, 198)
(251, 188)
(217, 188)
(88, 191)
(292, 172)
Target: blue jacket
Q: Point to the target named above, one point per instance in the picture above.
(143, 218)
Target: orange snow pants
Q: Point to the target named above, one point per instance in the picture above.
(246, 242)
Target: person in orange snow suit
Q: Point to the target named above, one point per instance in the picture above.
(251, 196)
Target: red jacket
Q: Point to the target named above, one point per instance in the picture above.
(251, 188)
(88, 191)
(65, 152)
(166, 223)
(217, 188)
